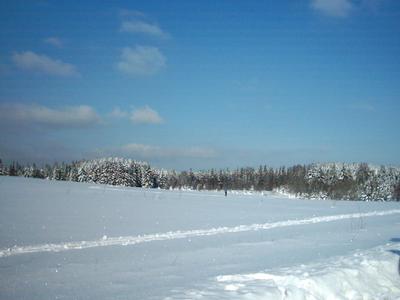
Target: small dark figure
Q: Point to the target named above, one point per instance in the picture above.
(226, 192)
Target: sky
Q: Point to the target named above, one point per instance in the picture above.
(200, 84)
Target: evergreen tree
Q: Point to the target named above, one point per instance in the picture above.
(396, 191)
(12, 170)
(2, 169)
(147, 177)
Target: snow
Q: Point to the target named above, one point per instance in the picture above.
(66, 240)
(371, 274)
(106, 241)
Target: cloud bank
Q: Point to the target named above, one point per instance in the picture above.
(67, 117)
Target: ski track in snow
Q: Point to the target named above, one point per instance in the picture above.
(173, 235)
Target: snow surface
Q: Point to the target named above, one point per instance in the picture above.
(66, 240)
(361, 275)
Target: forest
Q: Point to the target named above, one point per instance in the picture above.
(355, 181)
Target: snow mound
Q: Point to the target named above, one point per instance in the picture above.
(371, 274)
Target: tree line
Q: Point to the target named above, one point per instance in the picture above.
(332, 180)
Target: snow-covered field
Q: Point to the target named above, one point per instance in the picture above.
(64, 240)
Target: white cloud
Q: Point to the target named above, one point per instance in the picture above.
(31, 61)
(146, 115)
(54, 41)
(118, 113)
(141, 60)
(137, 22)
(67, 117)
(142, 27)
(149, 151)
(334, 8)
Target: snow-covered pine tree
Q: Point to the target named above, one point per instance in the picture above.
(2, 168)
(396, 191)
(147, 176)
(162, 179)
(73, 172)
(137, 174)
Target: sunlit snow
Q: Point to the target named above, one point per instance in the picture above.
(65, 240)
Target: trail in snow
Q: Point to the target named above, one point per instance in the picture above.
(173, 235)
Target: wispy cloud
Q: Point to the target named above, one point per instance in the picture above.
(146, 115)
(31, 61)
(334, 8)
(137, 22)
(141, 60)
(67, 117)
(54, 41)
(118, 113)
(142, 27)
(143, 151)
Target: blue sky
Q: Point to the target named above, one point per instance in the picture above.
(201, 84)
